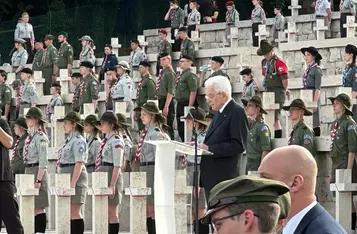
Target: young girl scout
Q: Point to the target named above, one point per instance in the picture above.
(17, 161)
(124, 132)
(72, 157)
(93, 140)
(35, 158)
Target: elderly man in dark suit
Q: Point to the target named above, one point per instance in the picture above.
(226, 137)
(296, 167)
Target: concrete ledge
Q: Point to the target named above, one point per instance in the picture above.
(328, 43)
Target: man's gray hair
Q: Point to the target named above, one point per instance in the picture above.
(220, 84)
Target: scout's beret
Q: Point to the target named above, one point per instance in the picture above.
(19, 40)
(346, 101)
(182, 29)
(86, 64)
(246, 71)
(49, 37)
(110, 69)
(21, 121)
(187, 57)
(27, 71)
(145, 64)
(56, 84)
(63, 33)
(351, 49)
(313, 51)
(163, 31)
(218, 59)
(257, 101)
(230, 3)
(162, 55)
(243, 189)
(299, 104)
(74, 117)
(77, 75)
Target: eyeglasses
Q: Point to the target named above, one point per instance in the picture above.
(211, 96)
(214, 222)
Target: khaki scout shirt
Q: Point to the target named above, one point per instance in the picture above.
(148, 150)
(5, 95)
(304, 136)
(186, 85)
(74, 150)
(90, 89)
(164, 47)
(147, 90)
(65, 55)
(93, 146)
(50, 56)
(37, 61)
(168, 83)
(177, 17)
(313, 79)
(29, 94)
(259, 139)
(188, 48)
(279, 22)
(38, 149)
(17, 161)
(113, 150)
(346, 137)
(76, 105)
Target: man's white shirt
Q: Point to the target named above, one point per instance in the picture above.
(294, 222)
(224, 106)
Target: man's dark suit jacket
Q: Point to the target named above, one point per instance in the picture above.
(319, 221)
(226, 139)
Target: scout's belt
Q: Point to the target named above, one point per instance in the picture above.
(90, 166)
(320, 16)
(102, 164)
(118, 99)
(32, 165)
(135, 68)
(309, 87)
(25, 103)
(147, 164)
(67, 165)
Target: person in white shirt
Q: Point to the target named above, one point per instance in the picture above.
(296, 167)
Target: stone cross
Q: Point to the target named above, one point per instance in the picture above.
(27, 193)
(181, 192)
(120, 107)
(195, 37)
(270, 106)
(138, 193)
(262, 32)
(100, 192)
(188, 134)
(351, 26)
(344, 188)
(39, 80)
(307, 95)
(58, 134)
(63, 192)
(142, 42)
(292, 32)
(88, 109)
(294, 8)
(281, 37)
(114, 42)
(234, 37)
(65, 81)
(320, 29)
(11, 77)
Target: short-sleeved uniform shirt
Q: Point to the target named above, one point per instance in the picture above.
(167, 83)
(5, 169)
(232, 18)
(19, 58)
(147, 90)
(5, 95)
(65, 55)
(74, 150)
(349, 77)
(136, 57)
(113, 150)
(91, 89)
(259, 139)
(87, 54)
(304, 136)
(188, 48)
(29, 94)
(194, 17)
(345, 140)
(321, 6)
(279, 22)
(123, 88)
(258, 15)
(186, 84)
(312, 77)
(55, 101)
(274, 71)
(37, 151)
(50, 57)
(177, 17)
(93, 143)
(250, 89)
(164, 47)
(148, 151)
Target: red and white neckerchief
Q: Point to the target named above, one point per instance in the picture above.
(139, 88)
(27, 145)
(333, 134)
(98, 159)
(317, 5)
(60, 151)
(291, 136)
(81, 88)
(60, 49)
(48, 108)
(228, 17)
(184, 160)
(14, 149)
(112, 90)
(253, 14)
(19, 97)
(304, 80)
(172, 15)
(159, 79)
(178, 78)
(74, 96)
(140, 145)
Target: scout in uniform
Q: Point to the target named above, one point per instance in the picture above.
(49, 67)
(258, 17)
(250, 195)
(121, 91)
(36, 159)
(18, 88)
(176, 16)
(323, 11)
(349, 75)
(163, 47)
(5, 95)
(301, 134)
(275, 74)
(110, 159)
(250, 88)
(65, 53)
(37, 61)
(109, 61)
(24, 31)
(17, 161)
(312, 81)
(87, 53)
(279, 22)
(215, 66)
(93, 140)
(145, 91)
(88, 89)
(344, 140)
(137, 55)
(194, 18)
(29, 95)
(199, 123)
(72, 157)
(165, 87)
(145, 153)
(124, 132)
(56, 100)
(186, 91)
(19, 57)
(187, 46)
(258, 143)
(77, 81)
(111, 80)
(232, 19)
(347, 7)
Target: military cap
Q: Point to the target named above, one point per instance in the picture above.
(56, 84)
(91, 119)
(257, 101)
(187, 57)
(264, 48)
(230, 3)
(27, 71)
(182, 29)
(110, 69)
(198, 115)
(285, 204)
(109, 117)
(21, 121)
(246, 71)
(218, 59)
(35, 113)
(299, 104)
(163, 31)
(77, 75)
(351, 49)
(122, 120)
(63, 33)
(243, 189)
(149, 107)
(49, 37)
(346, 101)
(162, 55)
(20, 40)
(85, 38)
(124, 65)
(145, 64)
(16, 83)
(86, 64)
(313, 51)
(74, 117)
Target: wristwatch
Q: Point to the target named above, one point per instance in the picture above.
(38, 181)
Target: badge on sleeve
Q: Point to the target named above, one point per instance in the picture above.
(119, 146)
(306, 141)
(351, 127)
(43, 145)
(81, 150)
(264, 128)
(307, 137)
(280, 69)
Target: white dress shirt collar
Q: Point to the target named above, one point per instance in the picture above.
(224, 106)
(294, 222)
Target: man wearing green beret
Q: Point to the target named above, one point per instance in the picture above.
(65, 53)
(240, 205)
(49, 66)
